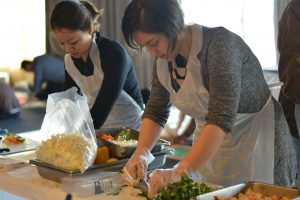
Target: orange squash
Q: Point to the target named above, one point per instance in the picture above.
(102, 155)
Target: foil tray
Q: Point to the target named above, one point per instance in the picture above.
(53, 173)
(120, 152)
(265, 189)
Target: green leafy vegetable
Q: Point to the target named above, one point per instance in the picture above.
(125, 135)
(182, 190)
(144, 194)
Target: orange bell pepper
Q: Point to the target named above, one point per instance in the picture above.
(102, 155)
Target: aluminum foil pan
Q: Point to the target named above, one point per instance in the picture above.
(53, 173)
(263, 188)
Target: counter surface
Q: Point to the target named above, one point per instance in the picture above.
(21, 180)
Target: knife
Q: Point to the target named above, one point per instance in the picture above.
(2, 150)
(142, 185)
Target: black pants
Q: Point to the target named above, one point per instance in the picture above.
(50, 88)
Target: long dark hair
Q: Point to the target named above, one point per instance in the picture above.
(75, 15)
(153, 16)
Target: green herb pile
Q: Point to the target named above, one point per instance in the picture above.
(125, 135)
(184, 189)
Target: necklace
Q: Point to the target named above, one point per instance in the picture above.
(178, 76)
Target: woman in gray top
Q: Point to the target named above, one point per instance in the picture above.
(213, 76)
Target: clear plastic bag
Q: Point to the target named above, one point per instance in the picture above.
(68, 135)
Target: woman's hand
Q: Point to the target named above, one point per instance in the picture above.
(161, 178)
(137, 165)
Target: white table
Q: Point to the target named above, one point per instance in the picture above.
(20, 180)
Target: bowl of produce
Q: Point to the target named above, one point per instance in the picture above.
(122, 142)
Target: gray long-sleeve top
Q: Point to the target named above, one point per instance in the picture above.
(234, 79)
(232, 75)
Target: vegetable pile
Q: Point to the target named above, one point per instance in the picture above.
(125, 135)
(124, 139)
(184, 189)
(69, 151)
(102, 155)
(106, 137)
(13, 139)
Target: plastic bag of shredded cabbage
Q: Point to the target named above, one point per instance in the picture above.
(69, 140)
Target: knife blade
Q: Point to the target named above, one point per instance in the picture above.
(142, 185)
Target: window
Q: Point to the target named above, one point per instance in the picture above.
(251, 19)
(22, 32)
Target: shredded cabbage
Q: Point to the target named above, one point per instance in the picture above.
(71, 152)
(125, 143)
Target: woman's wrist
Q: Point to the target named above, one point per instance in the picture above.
(182, 168)
(140, 151)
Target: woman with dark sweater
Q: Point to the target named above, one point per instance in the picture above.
(99, 67)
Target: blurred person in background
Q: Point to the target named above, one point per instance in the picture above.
(289, 70)
(98, 66)
(48, 70)
(9, 104)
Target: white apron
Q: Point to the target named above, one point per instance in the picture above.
(125, 112)
(247, 153)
